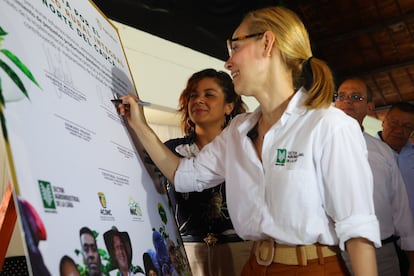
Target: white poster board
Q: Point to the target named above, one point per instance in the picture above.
(75, 162)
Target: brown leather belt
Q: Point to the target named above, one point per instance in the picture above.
(389, 239)
(268, 251)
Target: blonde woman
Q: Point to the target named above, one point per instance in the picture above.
(298, 180)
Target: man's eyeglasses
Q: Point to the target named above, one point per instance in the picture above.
(352, 97)
(230, 41)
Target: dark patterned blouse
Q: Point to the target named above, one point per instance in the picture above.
(198, 213)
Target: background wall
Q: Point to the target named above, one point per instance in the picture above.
(160, 70)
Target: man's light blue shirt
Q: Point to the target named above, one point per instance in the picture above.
(405, 160)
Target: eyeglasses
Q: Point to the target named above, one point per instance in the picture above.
(230, 41)
(352, 97)
(394, 124)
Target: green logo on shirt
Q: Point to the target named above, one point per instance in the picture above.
(281, 157)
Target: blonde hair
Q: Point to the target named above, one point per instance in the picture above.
(292, 40)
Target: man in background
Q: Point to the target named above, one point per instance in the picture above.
(390, 195)
(119, 248)
(89, 250)
(397, 127)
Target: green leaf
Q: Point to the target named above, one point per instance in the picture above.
(1, 94)
(162, 213)
(95, 234)
(2, 32)
(3, 125)
(137, 269)
(14, 77)
(20, 65)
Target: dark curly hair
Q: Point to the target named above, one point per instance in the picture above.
(224, 81)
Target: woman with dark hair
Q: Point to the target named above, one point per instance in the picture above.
(207, 104)
(68, 267)
(150, 269)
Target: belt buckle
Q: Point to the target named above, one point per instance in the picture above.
(210, 239)
(264, 252)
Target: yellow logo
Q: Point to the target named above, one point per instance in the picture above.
(102, 199)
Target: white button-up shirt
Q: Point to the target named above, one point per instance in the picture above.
(390, 196)
(314, 183)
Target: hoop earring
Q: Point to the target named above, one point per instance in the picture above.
(190, 127)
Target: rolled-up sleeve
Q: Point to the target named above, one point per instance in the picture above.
(358, 227)
(204, 171)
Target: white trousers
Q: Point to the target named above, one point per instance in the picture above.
(221, 259)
